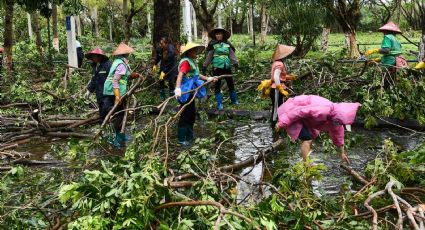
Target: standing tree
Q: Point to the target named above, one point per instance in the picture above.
(164, 21)
(414, 12)
(347, 14)
(298, 23)
(129, 14)
(36, 29)
(238, 15)
(8, 36)
(205, 14)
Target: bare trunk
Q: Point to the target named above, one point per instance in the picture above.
(422, 47)
(205, 37)
(164, 23)
(29, 25)
(8, 37)
(36, 25)
(230, 22)
(95, 22)
(149, 23)
(251, 23)
(324, 41)
(110, 28)
(248, 23)
(78, 24)
(126, 21)
(264, 21)
(354, 52)
(55, 27)
(195, 24)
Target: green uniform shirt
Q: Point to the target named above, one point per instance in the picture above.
(107, 87)
(391, 43)
(221, 58)
(194, 70)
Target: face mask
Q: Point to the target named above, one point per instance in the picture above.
(348, 128)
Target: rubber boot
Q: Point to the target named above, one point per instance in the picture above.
(181, 136)
(234, 97)
(189, 133)
(162, 94)
(114, 141)
(219, 100)
(122, 137)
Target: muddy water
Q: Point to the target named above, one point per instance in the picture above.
(258, 135)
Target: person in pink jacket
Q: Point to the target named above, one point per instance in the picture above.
(304, 117)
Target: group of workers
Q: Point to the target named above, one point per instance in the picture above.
(303, 117)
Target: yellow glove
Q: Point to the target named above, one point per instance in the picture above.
(282, 91)
(376, 59)
(291, 77)
(264, 84)
(162, 75)
(372, 51)
(154, 68)
(420, 65)
(117, 95)
(266, 93)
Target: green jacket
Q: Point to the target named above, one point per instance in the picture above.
(107, 88)
(390, 42)
(221, 57)
(194, 70)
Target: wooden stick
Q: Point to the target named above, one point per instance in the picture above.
(355, 174)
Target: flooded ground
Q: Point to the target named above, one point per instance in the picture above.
(256, 136)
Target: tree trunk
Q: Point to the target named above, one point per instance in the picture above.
(264, 21)
(55, 27)
(251, 23)
(205, 38)
(29, 25)
(230, 22)
(110, 22)
(78, 25)
(38, 40)
(195, 25)
(164, 23)
(422, 47)
(149, 23)
(352, 41)
(125, 22)
(187, 20)
(95, 26)
(324, 41)
(8, 37)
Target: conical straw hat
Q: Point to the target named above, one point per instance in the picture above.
(390, 26)
(191, 45)
(123, 49)
(226, 34)
(282, 51)
(96, 52)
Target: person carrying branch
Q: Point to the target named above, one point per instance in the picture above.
(391, 51)
(222, 56)
(304, 117)
(115, 87)
(166, 54)
(279, 75)
(101, 67)
(189, 79)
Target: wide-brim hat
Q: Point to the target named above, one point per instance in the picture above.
(282, 51)
(96, 52)
(390, 26)
(226, 34)
(123, 49)
(191, 45)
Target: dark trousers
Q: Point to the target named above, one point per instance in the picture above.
(188, 116)
(171, 79)
(279, 102)
(229, 80)
(108, 104)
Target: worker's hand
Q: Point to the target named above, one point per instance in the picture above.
(420, 65)
(87, 94)
(277, 128)
(372, 51)
(209, 79)
(376, 59)
(134, 75)
(282, 91)
(161, 76)
(154, 68)
(291, 77)
(178, 92)
(117, 100)
(344, 158)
